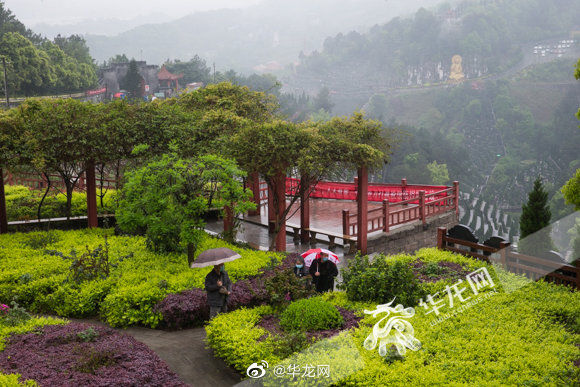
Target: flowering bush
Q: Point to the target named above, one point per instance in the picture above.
(4, 309)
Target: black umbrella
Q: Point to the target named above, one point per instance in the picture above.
(214, 257)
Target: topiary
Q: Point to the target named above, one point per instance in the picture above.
(310, 314)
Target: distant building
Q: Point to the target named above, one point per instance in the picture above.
(194, 85)
(168, 82)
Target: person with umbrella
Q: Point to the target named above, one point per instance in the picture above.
(217, 281)
(323, 272)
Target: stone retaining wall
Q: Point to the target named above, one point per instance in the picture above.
(411, 237)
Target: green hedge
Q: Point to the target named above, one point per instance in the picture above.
(526, 333)
(22, 203)
(310, 314)
(37, 277)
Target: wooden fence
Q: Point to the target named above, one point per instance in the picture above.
(534, 268)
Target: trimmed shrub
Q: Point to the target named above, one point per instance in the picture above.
(381, 280)
(22, 203)
(138, 279)
(310, 314)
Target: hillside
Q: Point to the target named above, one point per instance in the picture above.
(272, 31)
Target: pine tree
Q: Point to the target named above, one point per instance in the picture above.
(132, 81)
(535, 217)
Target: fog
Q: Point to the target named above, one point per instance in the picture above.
(67, 12)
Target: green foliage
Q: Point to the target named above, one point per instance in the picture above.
(13, 380)
(571, 190)
(285, 286)
(528, 336)
(91, 265)
(88, 335)
(439, 173)
(16, 316)
(235, 338)
(310, 314)
(133, 81)
(167, 198)
(381, 280)
(22, 203)
(536, 216)
(130, 292)
(92, 359)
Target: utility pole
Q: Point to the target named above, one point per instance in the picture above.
(6, 84)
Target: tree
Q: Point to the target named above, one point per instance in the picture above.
(439, 173)
(322, 100)
(168, 197)
(194, 70)
(535, 220)
(132, 82)
(571, 190)
(119, 58)
(75, 47)
(29, 68)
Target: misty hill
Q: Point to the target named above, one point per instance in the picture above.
(490, 35)
(272, 31)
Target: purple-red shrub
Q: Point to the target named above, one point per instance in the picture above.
(57, 355)
(189, 308)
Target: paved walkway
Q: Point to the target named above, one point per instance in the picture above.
(185, 353)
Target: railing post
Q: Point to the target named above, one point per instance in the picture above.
(456, 200)
(91, 189)
(3, 211)
(362, 208)
(403, 189)
(422, 214)
(345, 222)
(577, 273)
(386, 215)
(503, 250)
(441, 232)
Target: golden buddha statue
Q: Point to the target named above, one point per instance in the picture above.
(456, 74)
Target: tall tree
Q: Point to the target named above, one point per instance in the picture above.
(535, 220)
(322, 100)
(133, 81)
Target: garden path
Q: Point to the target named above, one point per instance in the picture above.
(185, 353)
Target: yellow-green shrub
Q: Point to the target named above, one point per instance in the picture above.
(22, 203)
(37, 278)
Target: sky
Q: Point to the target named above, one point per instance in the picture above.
(32, 12)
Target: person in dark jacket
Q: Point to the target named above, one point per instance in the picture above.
(323, 272)
(218, 287)
(299, 268)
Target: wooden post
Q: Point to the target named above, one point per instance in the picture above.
(456, 192)
(345, 222)
(3, 215)
(271, 214)
(386, 215)
(281, 199)
(91, 186)
(503, 250)
(422, 207)
(362, 204)
(304, 209)
(228, 220)
(254, 185)
(577, 264)
(441, 232)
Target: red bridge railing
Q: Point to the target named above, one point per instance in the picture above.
(401, 203)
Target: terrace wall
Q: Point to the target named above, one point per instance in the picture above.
(411, 237)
